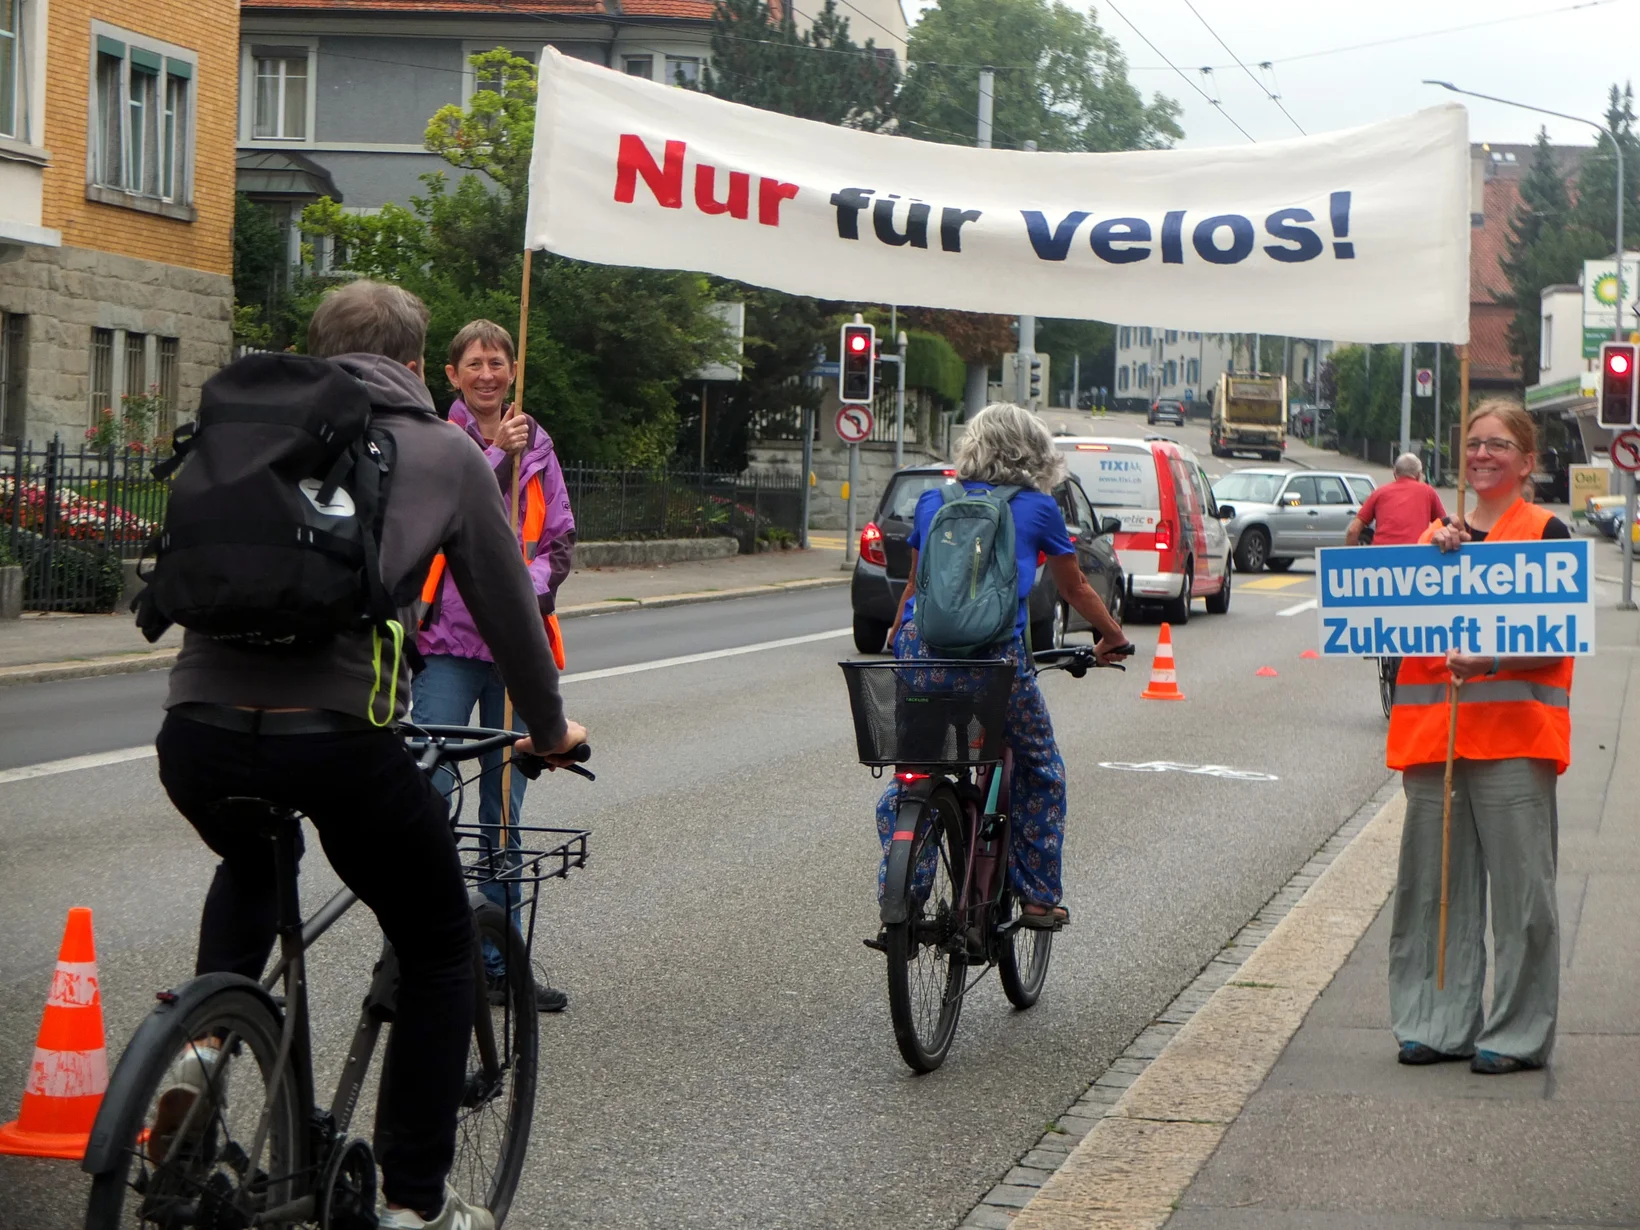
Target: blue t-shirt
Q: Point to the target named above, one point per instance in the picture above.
(1039, 526)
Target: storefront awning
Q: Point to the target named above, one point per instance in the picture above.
(281, 174)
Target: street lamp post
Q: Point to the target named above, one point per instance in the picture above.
(1627, 604)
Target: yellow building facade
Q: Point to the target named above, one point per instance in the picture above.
(117, 131)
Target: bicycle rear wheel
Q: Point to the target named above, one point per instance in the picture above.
(186, 1160)
(1023, 965)
(498, 1103)
(927, 954)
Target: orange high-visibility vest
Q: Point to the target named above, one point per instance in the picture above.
(535, 519)
(1524, 713)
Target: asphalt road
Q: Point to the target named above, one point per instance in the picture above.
(727, 1059)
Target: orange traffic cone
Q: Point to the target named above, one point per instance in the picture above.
(70, 1073)
(1164, 683)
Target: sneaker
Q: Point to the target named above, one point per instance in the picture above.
(547, 999)
(456, 1214)
(185, 1080)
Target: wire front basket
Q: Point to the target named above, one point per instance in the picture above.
(929, 711)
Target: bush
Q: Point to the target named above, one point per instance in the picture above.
(68, 577)
(931, 363)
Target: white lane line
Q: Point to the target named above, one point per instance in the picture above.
(1299, 608)
(637, 667)
(94, 761)
(97, 760)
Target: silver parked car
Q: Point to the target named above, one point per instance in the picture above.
(1279, 515)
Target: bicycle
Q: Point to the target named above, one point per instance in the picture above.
(946, 903)
(283, 1160)
(1387, 670)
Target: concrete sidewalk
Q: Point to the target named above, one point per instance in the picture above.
(110, 644)
(1280, 1106)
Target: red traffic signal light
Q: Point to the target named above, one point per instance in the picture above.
(857, 370)
(1619, 406)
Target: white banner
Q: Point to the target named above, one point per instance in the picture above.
(1360, 235)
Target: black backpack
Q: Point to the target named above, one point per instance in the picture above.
(272, 534)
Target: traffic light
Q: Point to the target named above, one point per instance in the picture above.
(1035, 393)
(857, 374)
(1618, 387)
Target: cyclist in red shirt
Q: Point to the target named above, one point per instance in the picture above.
(1399, 511)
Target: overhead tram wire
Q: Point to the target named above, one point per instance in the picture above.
(1182, 77)
(1266, 89)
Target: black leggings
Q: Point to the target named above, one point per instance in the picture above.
(386, 831)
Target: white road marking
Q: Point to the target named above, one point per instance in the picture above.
(1299, 608)
(1203, 770)
(97, 760)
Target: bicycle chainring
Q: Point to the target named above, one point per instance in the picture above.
(347, 1196)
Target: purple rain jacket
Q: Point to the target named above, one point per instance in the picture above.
(447, 627)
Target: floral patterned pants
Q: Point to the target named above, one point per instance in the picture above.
(1036, 790)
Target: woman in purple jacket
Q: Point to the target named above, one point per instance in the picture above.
(460, 672)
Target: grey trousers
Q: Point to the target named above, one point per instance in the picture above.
(1504, 831)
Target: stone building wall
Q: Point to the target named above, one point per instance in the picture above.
(66, 292)
(827, 508)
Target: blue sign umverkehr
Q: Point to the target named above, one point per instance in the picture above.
(1509, 599)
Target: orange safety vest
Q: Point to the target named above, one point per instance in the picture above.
(535, 518)
(1513, 714)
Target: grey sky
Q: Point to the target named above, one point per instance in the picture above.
(1562, 60)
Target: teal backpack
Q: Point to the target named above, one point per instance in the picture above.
(967, 573)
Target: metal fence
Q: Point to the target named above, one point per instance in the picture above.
(623, 504)
(69, 516)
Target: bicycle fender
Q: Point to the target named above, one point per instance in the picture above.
(118, 1118)
(913, 803)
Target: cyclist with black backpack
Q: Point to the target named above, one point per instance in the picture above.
(313, 496)
(974, 548)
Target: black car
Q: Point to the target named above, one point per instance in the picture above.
(1166, 412)
(884, 561)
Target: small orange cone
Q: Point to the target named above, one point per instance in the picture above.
(1266, 672)
(1164, 682)
(70, 1072)
(1309, 654)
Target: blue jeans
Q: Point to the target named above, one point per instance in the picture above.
(445, 694)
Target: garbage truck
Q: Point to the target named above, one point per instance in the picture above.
(1249, 415)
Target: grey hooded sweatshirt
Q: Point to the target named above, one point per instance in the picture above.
(442, 498)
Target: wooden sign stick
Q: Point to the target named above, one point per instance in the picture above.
(512, 518)
(1451, 687)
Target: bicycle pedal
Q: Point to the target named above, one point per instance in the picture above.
(879, 944)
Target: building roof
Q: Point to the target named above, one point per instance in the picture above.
(503, 8)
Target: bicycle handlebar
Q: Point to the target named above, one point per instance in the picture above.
(1078, 660)
(470, 742)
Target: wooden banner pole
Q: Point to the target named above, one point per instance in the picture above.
(512, 519)
(1452, 688)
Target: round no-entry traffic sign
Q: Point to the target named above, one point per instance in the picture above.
(854, 424)
(1626, 451)
(1425, 380)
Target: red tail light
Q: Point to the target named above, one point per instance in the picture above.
(871, 545)
(1164, 535)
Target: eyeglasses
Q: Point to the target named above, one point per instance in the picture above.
(1497, 446)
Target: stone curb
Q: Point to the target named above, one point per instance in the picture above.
(1122, 1156)
(161, 659)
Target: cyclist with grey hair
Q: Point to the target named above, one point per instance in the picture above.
(1007, 445)
(1399, 511)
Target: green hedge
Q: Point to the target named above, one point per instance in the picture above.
(932, 364)
(76, 578)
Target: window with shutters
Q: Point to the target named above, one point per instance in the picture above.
(141, 120)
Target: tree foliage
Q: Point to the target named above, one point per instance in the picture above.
(260, 273)
(608, 347)
(1365, 392)
(1061, 81)
(815, 74)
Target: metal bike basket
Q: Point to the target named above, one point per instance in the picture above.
(929, 711)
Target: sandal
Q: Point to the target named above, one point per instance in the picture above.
(1035, 917)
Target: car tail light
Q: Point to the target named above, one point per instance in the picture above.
(1164, 535)
(871, 545)
(949, 473)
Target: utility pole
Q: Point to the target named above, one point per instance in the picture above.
(975, 392)
(899, 406)
(1435, 461)
(1027, 344)
(1406, 397)
(1076, 382)
(808, 471)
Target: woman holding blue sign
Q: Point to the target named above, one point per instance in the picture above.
(1510, 731)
